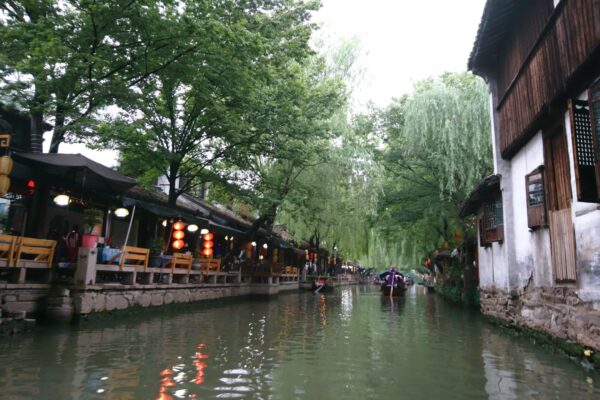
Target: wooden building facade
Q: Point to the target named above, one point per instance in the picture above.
(541, 60)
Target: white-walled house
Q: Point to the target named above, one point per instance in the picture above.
(539, 214)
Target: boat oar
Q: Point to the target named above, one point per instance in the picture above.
(392, 288)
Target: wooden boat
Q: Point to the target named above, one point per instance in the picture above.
(398, 290)
(321, 286)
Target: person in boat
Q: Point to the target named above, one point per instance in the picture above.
(392, 277)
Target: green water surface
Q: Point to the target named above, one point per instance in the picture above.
(349, 344)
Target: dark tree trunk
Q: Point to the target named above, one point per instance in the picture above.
(58, 135)
(173, 189)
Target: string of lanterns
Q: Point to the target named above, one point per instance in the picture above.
(178, 235)
(208, 244)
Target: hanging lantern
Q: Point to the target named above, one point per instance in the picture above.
(178, 226)
(62, 200)
(192, 228)
(31, 186)
(178, 244)
(178, 235)
(253, 244)
(208, 244)
(265, 246)
(121, 212)
(6, 165)
(203, 231)
(164, 223)
(4, 184)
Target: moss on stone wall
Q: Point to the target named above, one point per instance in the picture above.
(570, 349)
(456, 294)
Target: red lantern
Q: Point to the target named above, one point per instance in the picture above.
(207, 252)
(208, 236)
(178, 244)
(178, 226)
(208, 245)
(178, 235)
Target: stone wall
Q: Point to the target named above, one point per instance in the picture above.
(556, 311)
(28, 298)
(101, 299)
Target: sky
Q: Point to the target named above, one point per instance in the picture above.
(401, 42)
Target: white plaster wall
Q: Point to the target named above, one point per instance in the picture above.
(493, 271)
(493, 262)
(531, 248)
(586, 217)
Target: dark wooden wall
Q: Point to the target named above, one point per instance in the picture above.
(526, 29)
(541, 55)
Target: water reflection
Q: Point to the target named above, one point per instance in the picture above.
(351, 344)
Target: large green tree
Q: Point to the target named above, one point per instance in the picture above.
(65, 61)
(217, 105)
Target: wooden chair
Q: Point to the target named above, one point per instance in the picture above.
(137, 257)
(41, 249)
(180, 260)
(211, 265)
(7, 249)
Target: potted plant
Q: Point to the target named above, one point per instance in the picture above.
(155, 245)
(91, 218)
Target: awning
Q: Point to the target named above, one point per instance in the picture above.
(79, 170)
(222, 229)
(165, 212)
(486, 188)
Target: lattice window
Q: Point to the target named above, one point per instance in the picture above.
(594, 101)
(584, 138)
(585, 149)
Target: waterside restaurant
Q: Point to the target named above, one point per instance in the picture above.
(106, 243)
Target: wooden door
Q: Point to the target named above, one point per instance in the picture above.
(558, 186)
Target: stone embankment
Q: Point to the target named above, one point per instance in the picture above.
(557, 312)
(64, 303)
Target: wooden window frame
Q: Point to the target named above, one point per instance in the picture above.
(595, 121)
(537, 214)
(583, 170)
(488, 212)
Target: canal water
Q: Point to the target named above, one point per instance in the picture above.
(350, 344)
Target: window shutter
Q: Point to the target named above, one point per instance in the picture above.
(482, 241)
(584, 144)
(594, 104)
(536, 198)
(499, 219)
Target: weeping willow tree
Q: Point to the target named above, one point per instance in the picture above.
(338, 205)
(438, 145)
